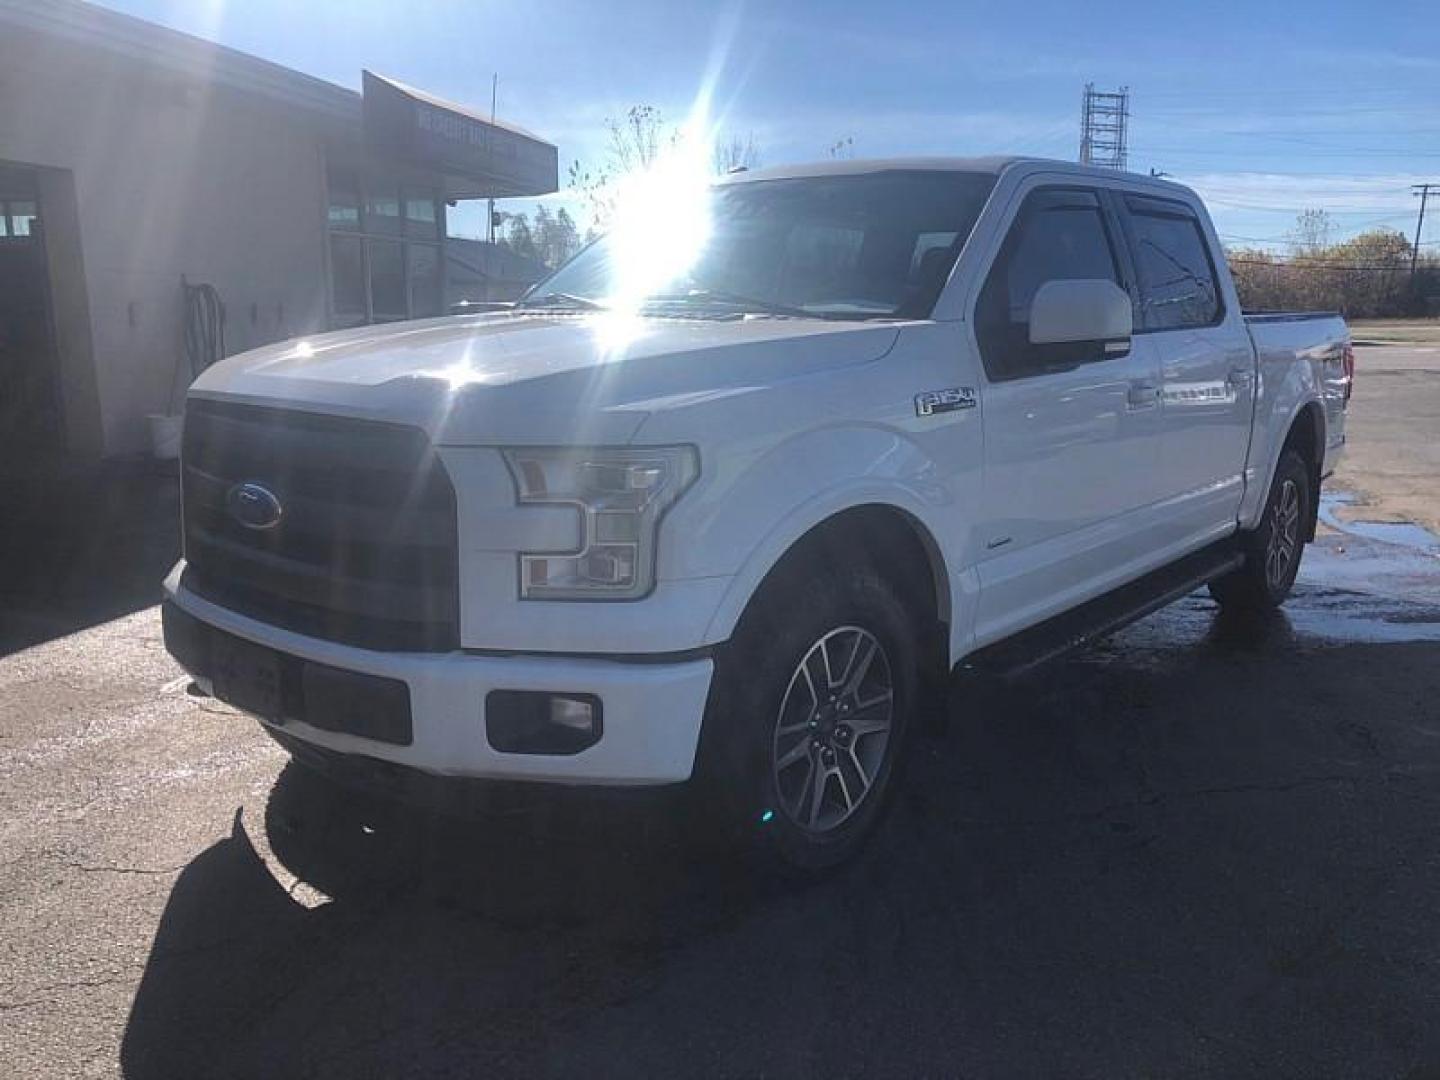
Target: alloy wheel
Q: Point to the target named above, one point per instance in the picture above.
(1284, 541)
(833, 730)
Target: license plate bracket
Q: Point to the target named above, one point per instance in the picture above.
(247, 676)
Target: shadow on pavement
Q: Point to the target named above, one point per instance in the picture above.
(1214, 855)
(81, 546)
(507, 916)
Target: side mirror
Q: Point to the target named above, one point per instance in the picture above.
(1081, 310)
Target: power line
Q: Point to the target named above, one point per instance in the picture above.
(1327, 268)
(1231, 204)
(1307, 92)
(1290, 238)
(1396, 156)
(1282, 237)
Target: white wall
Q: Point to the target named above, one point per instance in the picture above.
(171, 177)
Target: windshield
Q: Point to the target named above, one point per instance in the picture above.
(878, 245)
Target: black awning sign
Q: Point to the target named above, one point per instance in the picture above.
(501, 160)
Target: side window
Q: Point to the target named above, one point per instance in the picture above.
(1172, 266)
(1059, 234)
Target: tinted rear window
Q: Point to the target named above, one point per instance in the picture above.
(1172, 263)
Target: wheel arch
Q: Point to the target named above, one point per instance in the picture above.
(889, 537)
(1306, 436)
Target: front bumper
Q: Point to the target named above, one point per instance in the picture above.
(652, 710)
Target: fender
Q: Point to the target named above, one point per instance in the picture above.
(1273, 421)
(837, 469)
(1288, 381)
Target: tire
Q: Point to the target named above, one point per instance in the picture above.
(769, 735)
(1274, 548)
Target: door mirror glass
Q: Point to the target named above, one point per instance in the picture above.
(1081, 310)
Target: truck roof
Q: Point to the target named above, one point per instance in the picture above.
(994, 165)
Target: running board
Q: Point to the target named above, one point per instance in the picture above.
(1095, 619)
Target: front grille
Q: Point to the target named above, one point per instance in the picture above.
(364, 552)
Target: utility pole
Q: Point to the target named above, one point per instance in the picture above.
(1424, 191)
(1104, 123)
(490, 205)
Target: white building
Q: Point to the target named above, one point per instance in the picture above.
(133, 158)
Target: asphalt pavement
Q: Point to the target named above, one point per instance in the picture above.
(1393, 461)
(1205, 847)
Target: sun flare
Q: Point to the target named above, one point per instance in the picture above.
(661, 220)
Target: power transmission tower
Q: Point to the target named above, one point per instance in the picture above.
(1104, 124)
(1424, 191)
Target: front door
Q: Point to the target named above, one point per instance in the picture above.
(1071, 433)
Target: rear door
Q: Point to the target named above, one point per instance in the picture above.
(1071, 432)
(1206, 363)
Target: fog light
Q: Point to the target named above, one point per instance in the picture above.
(540, 722)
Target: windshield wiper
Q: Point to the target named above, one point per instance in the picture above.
(561, 299)
(738, 300)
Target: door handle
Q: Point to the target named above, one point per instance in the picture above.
(1142, 394)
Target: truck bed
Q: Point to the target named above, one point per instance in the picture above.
(1290, 316)
(1288, 342)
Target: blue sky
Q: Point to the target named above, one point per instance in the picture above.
(1266, 108)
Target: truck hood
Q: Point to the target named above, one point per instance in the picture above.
(523, 377)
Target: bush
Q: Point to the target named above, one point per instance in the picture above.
(1365, 277)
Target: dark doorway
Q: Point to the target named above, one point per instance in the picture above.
(30, 422)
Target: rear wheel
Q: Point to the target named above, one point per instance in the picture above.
(810, 715)
(1273, 549)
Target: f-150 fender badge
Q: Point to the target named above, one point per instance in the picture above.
(942, 401)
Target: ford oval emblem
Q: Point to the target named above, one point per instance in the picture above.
(254, 506)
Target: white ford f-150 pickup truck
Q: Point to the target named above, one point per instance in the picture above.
(723, 521)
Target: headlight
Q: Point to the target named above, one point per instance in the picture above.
(622, 494)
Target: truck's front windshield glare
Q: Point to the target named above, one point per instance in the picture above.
(876, 245)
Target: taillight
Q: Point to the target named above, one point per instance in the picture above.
(1347, 356)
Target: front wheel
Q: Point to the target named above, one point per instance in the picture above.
(1273, 549)
(810, 715)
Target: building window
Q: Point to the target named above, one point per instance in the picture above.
(424, 275)
(382, 210)
(347, 279)
(387, 280)
(18, 219)
(420, 219)
(344, 201)
(386, 260)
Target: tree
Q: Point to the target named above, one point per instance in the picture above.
(1378, 247)
(1370, 271)
(1312, 232)
(567, 236)
(1364, 276)
(542, 230)
(733, 153)
(556, 237)
(519, 238)
(636, 141)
